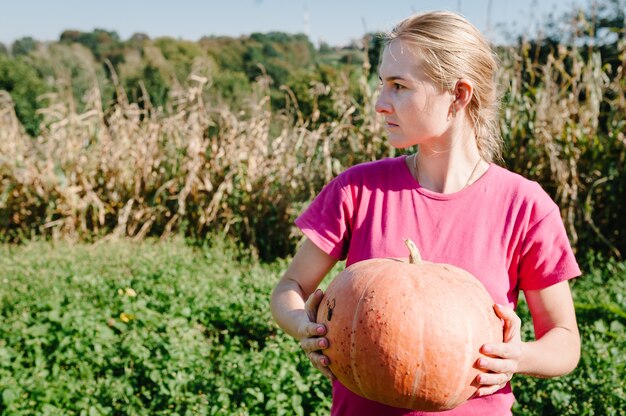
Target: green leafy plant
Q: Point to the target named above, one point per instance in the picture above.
(167, 328)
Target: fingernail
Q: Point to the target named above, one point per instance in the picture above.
(482, 362)
(322, 343)
(487, 348)
(324, 361)
(320, 330)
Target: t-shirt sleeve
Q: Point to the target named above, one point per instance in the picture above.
(327, 220)
(547, 257)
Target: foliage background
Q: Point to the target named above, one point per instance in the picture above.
(154, 137)
(109, 144)
(165, 328)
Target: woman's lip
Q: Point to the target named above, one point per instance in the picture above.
(389, 124)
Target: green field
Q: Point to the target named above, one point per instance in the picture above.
(168, 328)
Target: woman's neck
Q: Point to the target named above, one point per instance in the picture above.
(448, 167)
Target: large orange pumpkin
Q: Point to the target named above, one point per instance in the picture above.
(408, 334)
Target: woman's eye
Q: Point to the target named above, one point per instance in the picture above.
(397, 86)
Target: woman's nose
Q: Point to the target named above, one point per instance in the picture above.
(382, 106)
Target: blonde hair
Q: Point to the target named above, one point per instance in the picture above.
(452, 49)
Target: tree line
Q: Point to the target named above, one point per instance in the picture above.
(148, 70)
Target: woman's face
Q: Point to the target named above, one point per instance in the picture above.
(416, 110)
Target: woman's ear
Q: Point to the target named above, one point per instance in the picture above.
(462, 95)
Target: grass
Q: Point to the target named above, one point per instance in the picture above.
(166, 328)
(143, 328)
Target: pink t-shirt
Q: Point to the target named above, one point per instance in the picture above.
(503, 229)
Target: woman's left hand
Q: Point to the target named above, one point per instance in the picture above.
(502, 359)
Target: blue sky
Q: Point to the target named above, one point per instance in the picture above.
(333, 21)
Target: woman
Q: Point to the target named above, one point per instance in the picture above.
(438, 92)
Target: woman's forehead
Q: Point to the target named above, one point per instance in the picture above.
(400, 50)
(398, 55)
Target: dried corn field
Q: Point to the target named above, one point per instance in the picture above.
(199, 169)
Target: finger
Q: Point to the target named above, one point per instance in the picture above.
(512, 322)
(311, 304)
(321, 362)
(327, 373)
(492, 379)
(318, 359)
(313, 344)
(309, 330)
(500, 350)
(487, 390)
(496, 365)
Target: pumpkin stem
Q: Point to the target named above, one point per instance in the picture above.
(414, 253)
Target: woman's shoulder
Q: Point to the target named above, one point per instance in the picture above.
(374, 170)
(379, 164)
(522, 191)
(515, 179)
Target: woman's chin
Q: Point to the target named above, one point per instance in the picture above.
(398, 142)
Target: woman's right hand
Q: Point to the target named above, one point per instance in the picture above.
(311, 335)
